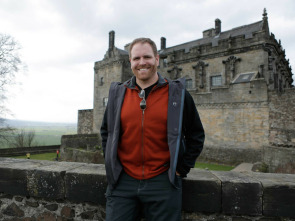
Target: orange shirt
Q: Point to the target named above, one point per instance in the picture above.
(143, 149)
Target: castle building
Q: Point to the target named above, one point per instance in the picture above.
(240, 80)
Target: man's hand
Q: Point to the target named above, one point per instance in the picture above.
(177, 174)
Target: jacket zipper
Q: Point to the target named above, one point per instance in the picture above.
(142, 148)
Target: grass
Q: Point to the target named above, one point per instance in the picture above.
(42, 156)
(216, 167)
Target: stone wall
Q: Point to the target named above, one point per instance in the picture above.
(85, 121)
(279, 159)
(235, 116)
(282, 118)
(44, 190)
(81, 148)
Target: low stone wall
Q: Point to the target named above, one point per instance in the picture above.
(47, 190)
(22, 151)
(84, 148)
(278, 159)
(230, 155)
(282, 118)
(81, 141)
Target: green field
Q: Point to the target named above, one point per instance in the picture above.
(45, 133)
(51, 135)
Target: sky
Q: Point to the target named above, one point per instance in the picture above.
(61, 39)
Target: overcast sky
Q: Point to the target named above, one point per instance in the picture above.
(61, 40)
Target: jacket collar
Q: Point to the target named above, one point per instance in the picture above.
(131, 83)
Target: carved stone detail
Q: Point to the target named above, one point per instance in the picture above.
(231, 61)
(200, 70)
(174, 72)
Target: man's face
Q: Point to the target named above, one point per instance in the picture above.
(143, 62)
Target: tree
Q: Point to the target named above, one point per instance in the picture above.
(5, 132)
(9, 60)
(24, 139)
(10, 64)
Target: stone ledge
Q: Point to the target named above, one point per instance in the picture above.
(252, 194)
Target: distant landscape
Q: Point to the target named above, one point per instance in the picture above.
(46, 133)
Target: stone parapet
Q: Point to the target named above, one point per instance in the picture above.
(75, 191)
(81, 148)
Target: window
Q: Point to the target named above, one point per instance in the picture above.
(244, 77)
(165, 63)
(188, 83)
(105, 101)
(216, 80)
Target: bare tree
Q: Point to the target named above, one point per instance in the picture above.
(6, 133)
(19, 139)
(24, 138)
(30, 138)
(9, 60)
(10, 64)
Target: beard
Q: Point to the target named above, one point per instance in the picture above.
(146, 73)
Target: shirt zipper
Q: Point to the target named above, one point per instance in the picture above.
(142, 130)
(142, 148)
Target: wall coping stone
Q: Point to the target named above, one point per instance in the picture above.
(231, 193)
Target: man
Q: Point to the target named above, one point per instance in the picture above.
(151, 136)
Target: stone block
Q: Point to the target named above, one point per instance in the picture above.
(51, 207)
(87, 183)
(278, 194)
(14, 172)
(34, 204)
(67, 212)
(241, 194)
(87, 215)
(48, 181)
(14, 210)
(46, 216)
(201, 192)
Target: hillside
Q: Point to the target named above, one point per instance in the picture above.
(22, 124)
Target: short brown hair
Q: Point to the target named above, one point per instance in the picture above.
(143, 41)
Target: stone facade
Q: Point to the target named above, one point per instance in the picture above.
(240, 80)
(114, 67)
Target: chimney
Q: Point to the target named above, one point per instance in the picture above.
(127, 46)
(163, 43)
(208, 33)
(111, 40)
(217, 26)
